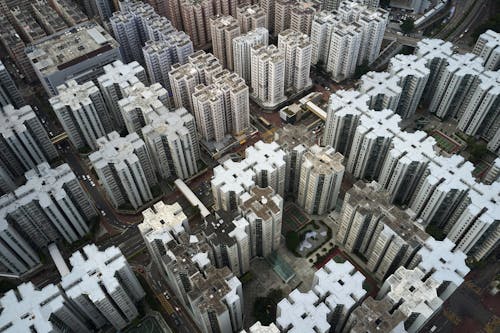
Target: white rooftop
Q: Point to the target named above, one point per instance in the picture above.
(447, 265)
(259, 328)
(265, 156)
(144, 98)
(121, 74)
(160, 220)
(408, 65)
(341, 283)
(27, 309)
(417, 296)
(13, 120)
(73, 95)
(380, 83)
(117, 150)
(233, 177)
(300, 314)
(43, 185)
(434, 48)
(90, 268)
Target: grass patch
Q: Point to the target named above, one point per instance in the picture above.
(339, 259)
(246, 278)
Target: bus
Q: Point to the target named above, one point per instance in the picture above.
(265, 122)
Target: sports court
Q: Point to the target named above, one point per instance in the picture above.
(446, 143)
(293, 219)
(481, 168)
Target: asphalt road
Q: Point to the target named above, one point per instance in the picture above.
(184, 323)
(462, 18)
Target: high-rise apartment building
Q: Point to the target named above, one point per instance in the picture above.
(223, 30)
(242, 46)
(385, 235)
(320, 179)
(340, 285)
(71, 54)
(113, 83)
(17, 255)
(229, 239)
(343, 115)
(159, 56)
(371, 143)
(296, 15)
(102, 288)
(294, 141)
(348, 37)
(172, 143)
(162, 223)
(257, 327)
(158, 28)
(9, 94)
(82, 112)
(455, 84)
(302, 312)
(43, 310)
(217, 301)
(344, 49)
(250, 17)
(488, 48)
(200, 69)
(435, 52)
(230, 181)
(302, 14)
(383, 89)
(51, 206)
(222, 107)
(405, 165)
(268, 6)
(263, 210)
(413, 75)
(24, 143)
(124, 167)
(445, 265)
(139, 102)
(414, 294)
(196, 20)
(374, 316)
(322, 27)
(127, 35)
(268, 74)
(267, 160)
(481, 115)
(298, 51)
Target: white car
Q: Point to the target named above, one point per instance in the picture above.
(92, 184)
(103, 213)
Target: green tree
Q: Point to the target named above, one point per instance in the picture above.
(264, 308)
(361, 70)
(292, 240)
(478, 151)
(492, 23)
(408, 25)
